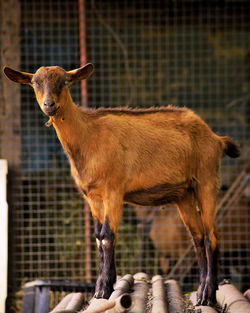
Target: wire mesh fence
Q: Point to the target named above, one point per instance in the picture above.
(146, 53)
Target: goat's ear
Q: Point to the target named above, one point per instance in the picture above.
(80, 73)
(18, 77)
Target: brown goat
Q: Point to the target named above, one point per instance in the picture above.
(144, 157)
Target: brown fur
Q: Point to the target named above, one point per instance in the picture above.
(150, 156)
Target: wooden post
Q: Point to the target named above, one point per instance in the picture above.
(10, 125)
(10, 93)
(83, 60)
(3, 235)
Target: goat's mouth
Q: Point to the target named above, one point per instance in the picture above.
(52, 111)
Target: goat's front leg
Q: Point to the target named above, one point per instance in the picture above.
(98, 229)
(106, 237)
(107, 275)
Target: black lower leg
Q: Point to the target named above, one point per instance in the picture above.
(108, 273)
(98, 229)
(202, 261)
(212, 273)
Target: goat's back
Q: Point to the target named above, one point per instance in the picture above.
(158, 145)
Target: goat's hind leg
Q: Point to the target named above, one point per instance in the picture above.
(192, 220)
(209, 291)
(208, 211)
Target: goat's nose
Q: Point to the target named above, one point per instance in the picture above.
(49, 104)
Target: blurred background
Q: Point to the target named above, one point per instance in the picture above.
(189, 53)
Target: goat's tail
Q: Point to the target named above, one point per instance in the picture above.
(230, 147)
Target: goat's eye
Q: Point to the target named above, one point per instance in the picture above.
(35, 84)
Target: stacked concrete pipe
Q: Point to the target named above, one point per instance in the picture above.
(133, 294)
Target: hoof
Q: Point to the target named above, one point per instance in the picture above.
(206, 302)
(103, 293)
(206, 296)
(99, 295)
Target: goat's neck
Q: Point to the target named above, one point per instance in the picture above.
(71, 125)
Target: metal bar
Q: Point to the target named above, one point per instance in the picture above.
(83, 54)
(42, 300)
(28, 303)
(87, 227)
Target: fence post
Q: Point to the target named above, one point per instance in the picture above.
(3, 235)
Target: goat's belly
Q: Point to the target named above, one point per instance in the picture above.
(156, 195)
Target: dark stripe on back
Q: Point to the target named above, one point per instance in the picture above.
(132, 111)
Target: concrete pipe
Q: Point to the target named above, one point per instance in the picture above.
(71, 303)
(140, 293)
(229, 297)
(122, 286)
(120, 305)
(174, 297)
(158, 301)
(247, 294)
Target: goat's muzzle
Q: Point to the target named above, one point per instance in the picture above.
(50, 108)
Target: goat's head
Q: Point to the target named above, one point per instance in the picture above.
(50, 84)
